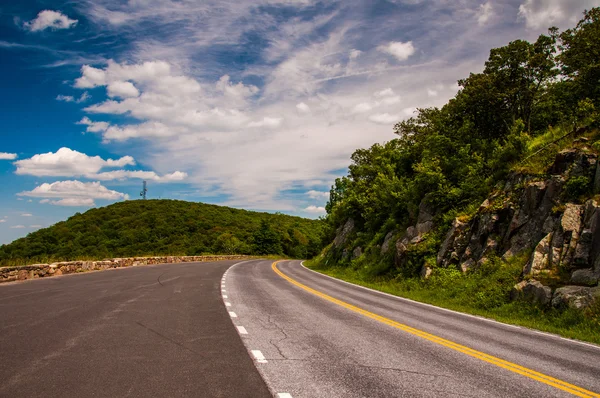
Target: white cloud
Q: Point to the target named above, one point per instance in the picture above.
(355, 54)
(386, 92)
(17, 226)
(122, 90)
(84, 97)
(315, 209)
(546, 13)
(303, 108)
(362, 107)
(67, 162)
(36, 226)
(485, 13)
(73, 193)
(2, 220)
(384, 118)
(7, 156)
(432, 92)
(50, 19)
(94, 127)
(390, 101)
(142, 175)
(65, 98)
(318, 194)
(26, 215)
(236, 94)
(401, 50)
(79, 202)
(267, 122)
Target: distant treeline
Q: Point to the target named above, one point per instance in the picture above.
(168, 227)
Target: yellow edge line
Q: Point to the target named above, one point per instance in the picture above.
(532, 374)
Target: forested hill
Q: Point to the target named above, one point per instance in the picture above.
(499, 185)
(167, 227)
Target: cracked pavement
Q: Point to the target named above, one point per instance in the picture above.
(315, 348)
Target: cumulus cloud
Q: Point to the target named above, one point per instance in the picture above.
(67, 162)
(94, 127)
(485, 13)
(122, 89)
(76, 202)
(303, 108)
(50, 19)
(386, 92)
(17, 226)
(73, 193)
(7, 156)
(266, 122)
(401, 50)
(384, 118)
(362, 107)
(546, 13)
(317, 194)
(315, 209)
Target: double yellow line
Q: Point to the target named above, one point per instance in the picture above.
(532, 374)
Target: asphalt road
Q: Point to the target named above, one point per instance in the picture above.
(151, 331)
(208, 330)
(320, 337)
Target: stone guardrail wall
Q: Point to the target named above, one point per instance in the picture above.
(21, 273)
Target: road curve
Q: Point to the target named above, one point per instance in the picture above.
(151, 331)
(320, 337)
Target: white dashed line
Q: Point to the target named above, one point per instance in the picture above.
(284, 395)
(232, 314)
(260, 358)
(225, 296)
(223, 290)
(227, 304)
(242, 330)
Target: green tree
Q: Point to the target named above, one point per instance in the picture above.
(266, 240)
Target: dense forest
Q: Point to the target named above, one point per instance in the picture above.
(167, 227)
(500, 121)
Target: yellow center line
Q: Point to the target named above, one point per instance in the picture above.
(532, 374)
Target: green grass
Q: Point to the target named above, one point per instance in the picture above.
(484, 293)
(542, 149)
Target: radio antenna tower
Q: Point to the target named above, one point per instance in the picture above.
(144, 190)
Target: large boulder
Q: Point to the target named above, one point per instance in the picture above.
(577, 297)
(585, 277)
(342, 233)
(454, 244)
(387, 242)
(541, 258)
(531, 291)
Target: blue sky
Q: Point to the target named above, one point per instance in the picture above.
(248, 103)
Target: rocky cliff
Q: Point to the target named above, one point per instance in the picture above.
(552, 219)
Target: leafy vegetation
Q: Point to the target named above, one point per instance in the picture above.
(531, 101)
(167, 227)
